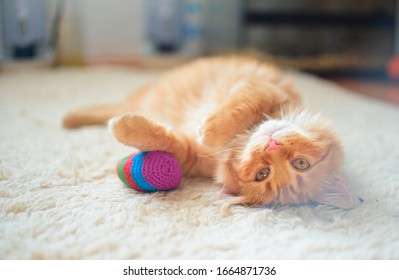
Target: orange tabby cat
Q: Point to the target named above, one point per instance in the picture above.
(233, 119)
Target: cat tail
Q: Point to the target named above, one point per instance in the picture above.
(92, 115)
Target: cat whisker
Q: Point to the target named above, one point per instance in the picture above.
(237, 149)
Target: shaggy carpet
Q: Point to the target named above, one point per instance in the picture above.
(61, 199)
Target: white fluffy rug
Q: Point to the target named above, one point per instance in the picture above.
(61, 199)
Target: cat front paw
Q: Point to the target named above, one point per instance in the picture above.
(136, 131)
(214, 133)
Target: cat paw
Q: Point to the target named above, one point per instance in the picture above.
(214, 134)
(136, 131)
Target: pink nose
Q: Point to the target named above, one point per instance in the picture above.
(273, 145)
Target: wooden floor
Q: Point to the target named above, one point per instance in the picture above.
(383, 90)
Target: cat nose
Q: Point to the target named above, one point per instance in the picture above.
(273, 145)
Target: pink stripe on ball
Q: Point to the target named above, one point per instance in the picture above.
(161, 170)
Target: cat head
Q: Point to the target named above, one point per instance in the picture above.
(292, 160)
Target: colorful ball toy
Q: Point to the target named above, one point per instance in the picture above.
(150, 171)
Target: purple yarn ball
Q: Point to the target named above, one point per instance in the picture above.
(161, 170)
(150, 171)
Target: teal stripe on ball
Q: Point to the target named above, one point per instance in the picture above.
(137, 175)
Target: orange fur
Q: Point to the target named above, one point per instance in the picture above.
(216, 116)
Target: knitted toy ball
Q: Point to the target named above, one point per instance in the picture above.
(150, 171)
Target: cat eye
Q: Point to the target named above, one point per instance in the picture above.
(300, 164)
(262, 174)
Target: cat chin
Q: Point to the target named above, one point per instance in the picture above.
(231, 197)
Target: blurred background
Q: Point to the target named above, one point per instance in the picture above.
(332, 38)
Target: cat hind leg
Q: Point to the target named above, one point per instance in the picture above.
(92, 115)
(100, 114)
(139, 132)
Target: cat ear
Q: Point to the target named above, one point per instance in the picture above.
(335, 193)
